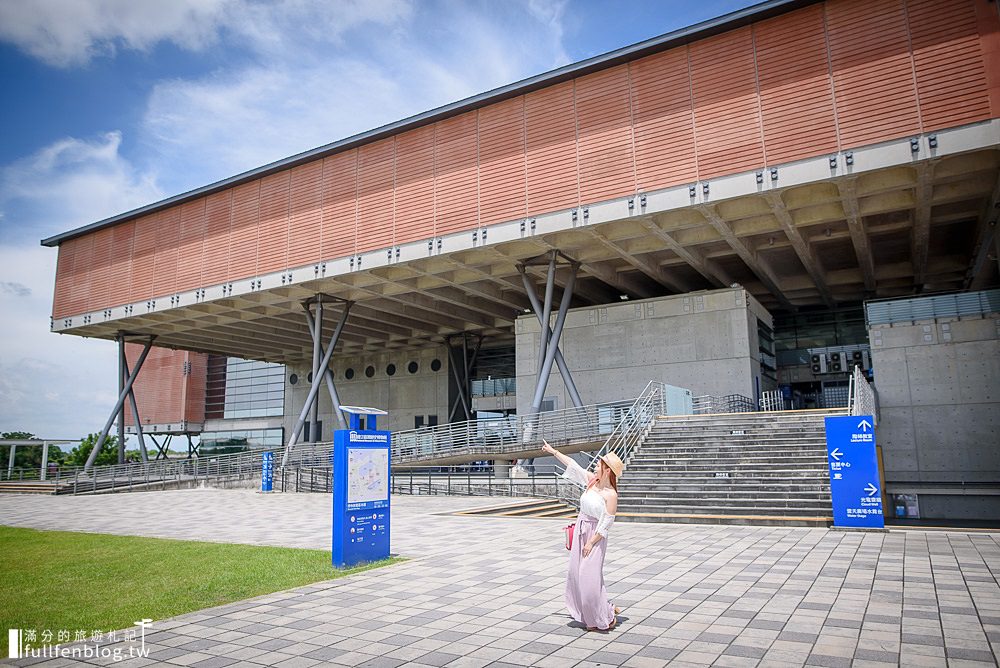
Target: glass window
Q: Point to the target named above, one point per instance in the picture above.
(254, 389)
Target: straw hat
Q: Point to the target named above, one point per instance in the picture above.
(614, 463)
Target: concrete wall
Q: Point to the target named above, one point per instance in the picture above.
(706, 342)
(404, 395)
(939, 394)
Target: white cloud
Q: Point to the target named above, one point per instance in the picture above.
(64, 34)
(305, 94)
(68, 34)
(51, 385)
(70, 183)
(54, 385)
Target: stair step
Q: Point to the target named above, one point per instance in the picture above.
(744, 490)
(779, 498)
(563, 512)
(534, 510)
(737, 476)
(723, 509)
(733, 518)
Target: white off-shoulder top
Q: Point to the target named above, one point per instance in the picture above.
(591, 502)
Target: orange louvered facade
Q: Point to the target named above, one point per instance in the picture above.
(831, 76)
(170, 388)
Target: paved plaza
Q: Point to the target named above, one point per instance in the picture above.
(489, 591)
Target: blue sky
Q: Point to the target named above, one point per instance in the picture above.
(113, 104)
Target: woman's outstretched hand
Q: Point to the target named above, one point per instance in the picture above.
(548, 449)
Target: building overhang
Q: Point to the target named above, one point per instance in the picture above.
(897, 218)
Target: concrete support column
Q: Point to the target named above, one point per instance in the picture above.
(122, 379)
(501, 468)
(317, 358)
(10, 465)
(45, 458)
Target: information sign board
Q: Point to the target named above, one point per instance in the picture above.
(361, 516)
(267, 472)
(853, 466)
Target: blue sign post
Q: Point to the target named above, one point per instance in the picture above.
(360, 490)
(854, 478)
(267, 472)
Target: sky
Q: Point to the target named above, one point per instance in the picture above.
(109, 105)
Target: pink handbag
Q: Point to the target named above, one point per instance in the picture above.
(569, 535)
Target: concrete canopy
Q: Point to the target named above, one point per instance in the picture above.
(897, 223)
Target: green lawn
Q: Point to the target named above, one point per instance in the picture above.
(62, 580)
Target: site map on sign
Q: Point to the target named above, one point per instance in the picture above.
(367, 475)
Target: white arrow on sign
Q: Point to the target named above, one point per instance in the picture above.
(871, 489)
(864, 425)
(836, 454)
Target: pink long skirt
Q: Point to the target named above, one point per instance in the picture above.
(586, 596)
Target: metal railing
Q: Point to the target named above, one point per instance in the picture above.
(476, 440)
(730, 403)
(772, 400)
(241, 465)
(630, 431)
(861, 396)
(470, 483)
(506, 438)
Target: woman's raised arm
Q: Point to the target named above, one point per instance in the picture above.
(565, 460)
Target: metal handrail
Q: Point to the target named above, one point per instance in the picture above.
(507, 437)
(861, 396)
(631, 430)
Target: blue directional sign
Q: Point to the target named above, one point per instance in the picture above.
(360, 493)
(854, 478)
(267, 472)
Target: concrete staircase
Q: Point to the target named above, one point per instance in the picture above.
(30, 487)
(533, 508)
(740, 468)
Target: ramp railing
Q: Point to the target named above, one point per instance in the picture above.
(510, 437)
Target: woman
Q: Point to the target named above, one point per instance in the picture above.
(586, 596)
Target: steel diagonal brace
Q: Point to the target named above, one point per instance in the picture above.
(122, 395)
(560, 361)
(553, 344)
(328, 376)
(135, 413)
(462, 384)
(314, 388)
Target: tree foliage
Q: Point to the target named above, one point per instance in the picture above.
(28, 456)
(108, 454)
